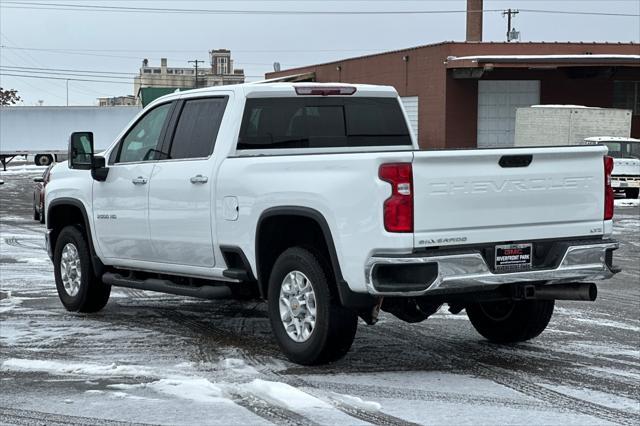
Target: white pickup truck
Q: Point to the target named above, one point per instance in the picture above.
(316, 198)
(625, 177)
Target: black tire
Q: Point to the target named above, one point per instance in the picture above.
(335, 326)
(36, 212)
(510, 322)
(92, 294)
(631, 193)
(43, 160)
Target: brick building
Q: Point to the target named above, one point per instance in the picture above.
(465, 94)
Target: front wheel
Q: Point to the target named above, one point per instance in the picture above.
(510, 321)
(307, 319)
(78, 288)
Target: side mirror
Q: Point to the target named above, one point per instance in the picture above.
(81, 150)
(38, 180)
(99, 171)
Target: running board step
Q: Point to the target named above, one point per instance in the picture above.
(166, 286)
(237, 273)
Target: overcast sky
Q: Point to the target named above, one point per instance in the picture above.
(118, 41)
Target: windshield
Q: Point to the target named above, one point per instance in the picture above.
(624, 149)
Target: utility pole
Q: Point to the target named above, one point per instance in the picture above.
(196, 62)
(509, 13)
(67, 92)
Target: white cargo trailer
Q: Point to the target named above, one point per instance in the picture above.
(546, 125)
(43, 132)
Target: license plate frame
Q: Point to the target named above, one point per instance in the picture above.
(513, 257)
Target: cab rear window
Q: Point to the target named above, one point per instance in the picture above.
(311, 122)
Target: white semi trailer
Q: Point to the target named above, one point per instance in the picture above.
(43, 131)
(546, 125)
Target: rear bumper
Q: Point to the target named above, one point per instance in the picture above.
(416, 275)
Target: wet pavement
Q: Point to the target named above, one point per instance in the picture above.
(151, 358)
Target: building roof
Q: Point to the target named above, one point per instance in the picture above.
(557, 60)
(479, 45)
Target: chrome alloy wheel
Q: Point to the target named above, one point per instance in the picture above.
(70, 269)
(297, 306)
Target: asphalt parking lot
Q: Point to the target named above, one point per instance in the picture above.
(159, 359)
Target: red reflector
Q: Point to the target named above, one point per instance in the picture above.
(398, 208)
(608, 190)
(325, 91)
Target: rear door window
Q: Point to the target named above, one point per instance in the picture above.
(310, 122)
(197, 128)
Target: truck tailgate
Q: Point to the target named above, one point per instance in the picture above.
(467, 197)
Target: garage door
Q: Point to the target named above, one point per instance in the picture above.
(497, 104)
(411, 106)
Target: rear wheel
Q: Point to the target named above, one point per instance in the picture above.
(43, 160)
(510, 321)
(36, 211)
(78, 288)
(310, 325)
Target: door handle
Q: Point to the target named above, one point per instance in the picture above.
(139, 181)
(199, 179)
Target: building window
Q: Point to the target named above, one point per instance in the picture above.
(156, 71)
(147, 71)
(223, 67)
(626, 95)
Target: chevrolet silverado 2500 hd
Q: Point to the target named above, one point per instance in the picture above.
(316, 198)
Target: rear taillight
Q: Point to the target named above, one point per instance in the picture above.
(608, 190)
(398, 208)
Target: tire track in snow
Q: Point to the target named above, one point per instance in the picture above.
(553, 398)
(273, 413)
(520, 384)
(263, 408)
(16, 416)
(15, 242)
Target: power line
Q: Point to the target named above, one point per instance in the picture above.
(137, 9)
(11, 69)
(86, 52)
(2, 73)
(64, 50)
(71, 70)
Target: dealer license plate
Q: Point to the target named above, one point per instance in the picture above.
(513, 257)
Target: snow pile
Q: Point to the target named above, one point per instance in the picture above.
(354, 401)
(627, 202)
(61, 367)
(237, 365)
(282, 394)
(192, 388)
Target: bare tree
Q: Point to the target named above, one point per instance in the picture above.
(9, 96)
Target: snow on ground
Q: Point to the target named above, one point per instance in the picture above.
(162, 359)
